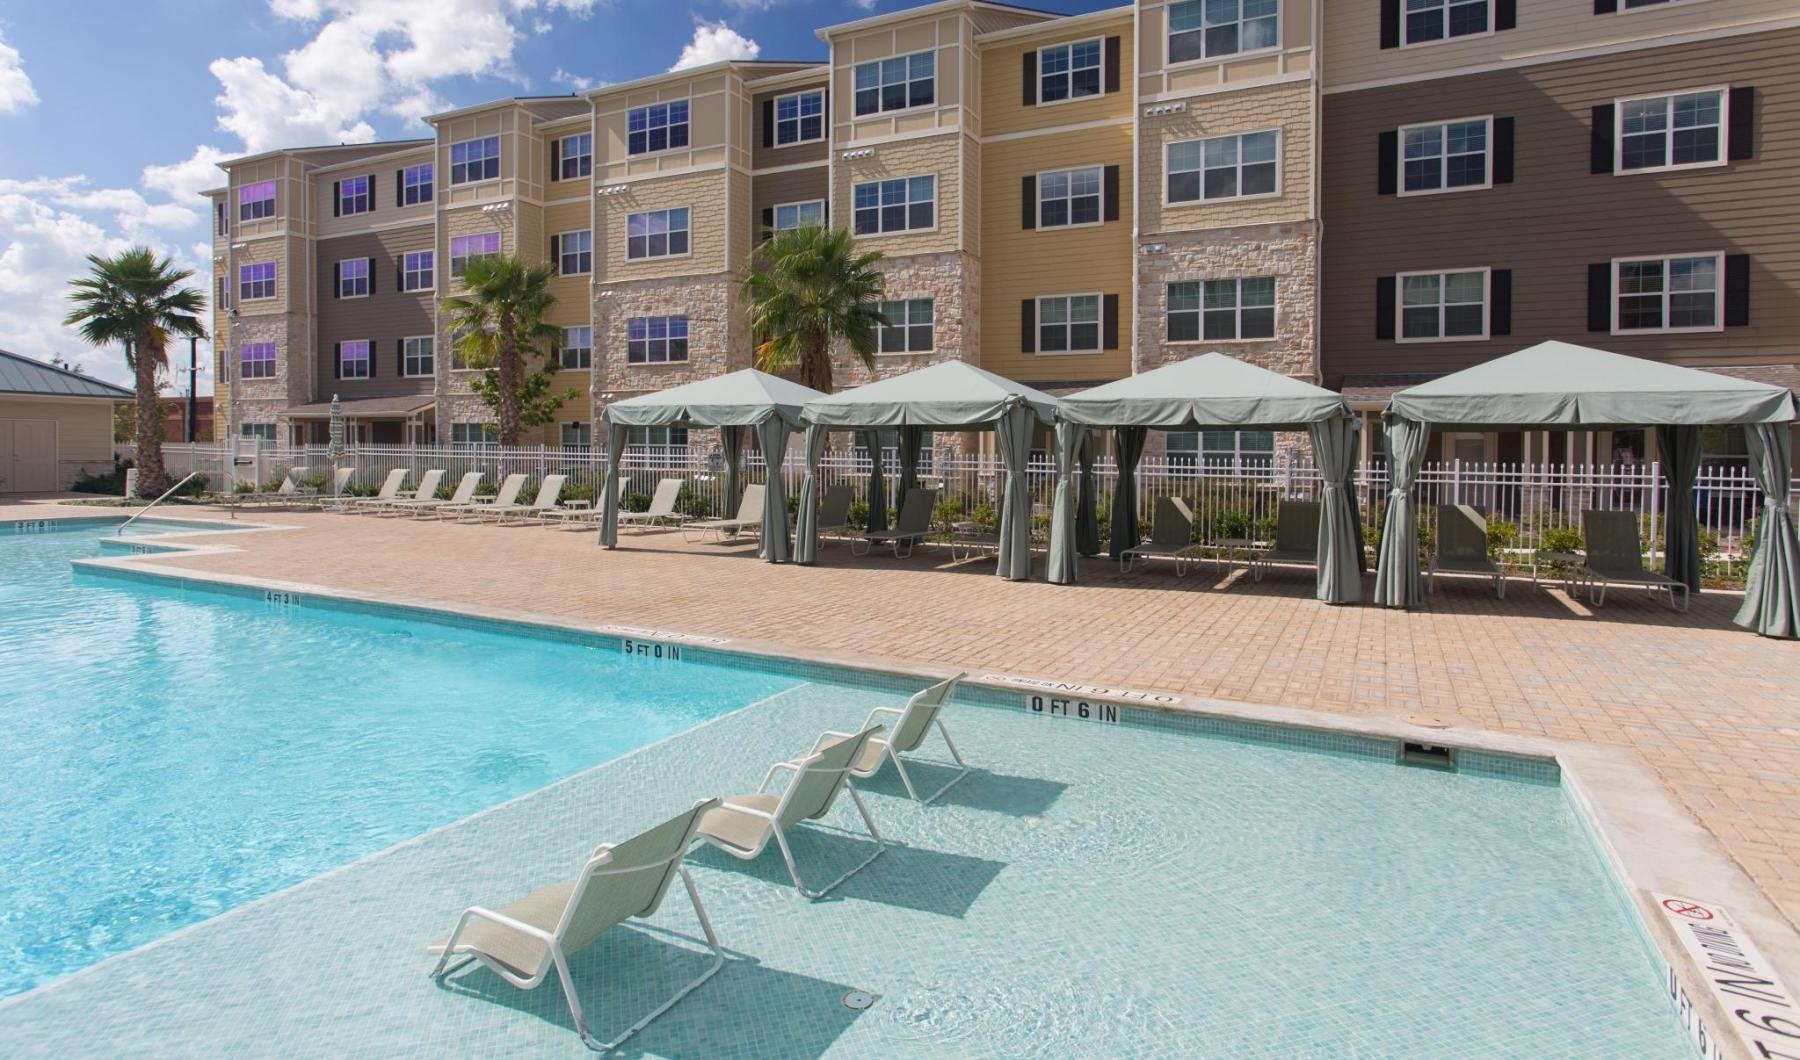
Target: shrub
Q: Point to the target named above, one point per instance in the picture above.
(985, 517)
(1709, 543)
(578, 492)
(692, 503)
(487, 489)
(1501, 535)
(1562, 538)
(635, 502)
(859, 514)
(445, 492)
(528, 493)
(109, 482)
(316, 482)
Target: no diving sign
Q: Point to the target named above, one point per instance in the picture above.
(1761, 1010)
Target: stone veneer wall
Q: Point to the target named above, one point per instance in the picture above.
(953, 281)
(1286, 250)
(718, 331)
(264, 400)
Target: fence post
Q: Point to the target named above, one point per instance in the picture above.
(1655, 508)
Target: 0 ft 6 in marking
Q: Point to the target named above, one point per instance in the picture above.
(1074, 708)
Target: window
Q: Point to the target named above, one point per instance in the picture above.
(354, 361)
(578, 347)
(1223, 167)
(660, 437)
(1069, 71)
(263, 431)
(464, 249)
(223, 295)
(1222, 449)
(1069, 197)
(222, 218)
(577, 435)
(794, 214)
(1430, 20)
(656, 340)
(799, 118)
(905, 205)
(1445, 157)
(656, 128)
(353, 278)
(1222, 310)
(417, 272)
(256, 281)
(256, 360)
(575, 253)
(896, 84)
(1668, 294)
(418, 356)
(909, 323)
(1667, 132)
(1443, 305)
(1208, 29)
(256, 201)
(1068, 323)
(415, 184)
(460, 357)
(657, 234)
(474, 433)
(474, 160)
(354, 196)
(1632, 5)
(574, 157)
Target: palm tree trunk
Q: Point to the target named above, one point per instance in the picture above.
(149, 419)
(509, 382)
(815, 365)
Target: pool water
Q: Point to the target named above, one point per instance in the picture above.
(171, 755)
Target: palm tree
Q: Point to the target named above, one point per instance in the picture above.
(501, 319)
(808, 288)
(136, 299)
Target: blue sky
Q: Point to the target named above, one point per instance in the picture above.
(113, 113)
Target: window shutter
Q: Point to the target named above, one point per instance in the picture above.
(1028, 202)
(337, 283)
(1600, 141)
(768, 123)
(1109, 322)
(336, 199)
(1390, 23)
(1503, 150)
(1109, 193)
(372, 199)
(768, 223)
(399, 187)
(1028, 326)
(1606, 7)
(374, 355)
(555, 158)
(1500, 302)
(1112, 64)
(1600, 296)
(337, 360)
(1384, 307)
(400, 271)
(371, 262)
(399, 358)
(1741, 137)
(1030, 78)
(1387, 163)
(1506, 14)
(555, 255)
(1737, 290)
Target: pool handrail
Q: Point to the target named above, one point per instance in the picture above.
(121, 531)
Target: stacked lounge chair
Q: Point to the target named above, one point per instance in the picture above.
(428, 484)
(548, 494)
(288, 492)
(389, 491)
(662, 507)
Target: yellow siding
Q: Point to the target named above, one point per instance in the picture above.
(83, 432)
(1287, 107)
(572, 292)
(704, 195)
(1002, 89)
(906, 158)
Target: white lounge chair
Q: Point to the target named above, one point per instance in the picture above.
(1462, 548)
(749, 517)
(416, 506)
(585, 515)
(389, 491)
(428, 484)
(662, 507)
(521, 942)
(331, 494)
(1614, 557)
(1296, 538)
(549, 492)
(1171, 537)
(508, 495)
(910, 529)
(288, 492)
(908, 730)
(744, 824)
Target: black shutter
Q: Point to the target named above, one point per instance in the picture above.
(768, 111)
(555, 158)
(555, 257)
(1741, 136)
(1503, 150)
(1109, 322)
(337, 283)
(371, 275)
(1028, 202)
(1384, 307)
(400, 272)
(1109, 193)
(1600, 140)
(1112, 64)
(372, 199)
(336, 199)
(1600, 296)
(399, 358)
(1506, 14)
(399, 187)
(1387, 162)
(337, 360)
(768, 223)
(1500, 302)
(1390, 23)
(1737, 290)
(1028, 326)
(1606, 7)
(374, 349)
(1030, 78)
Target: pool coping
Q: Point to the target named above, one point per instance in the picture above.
(1648, 842)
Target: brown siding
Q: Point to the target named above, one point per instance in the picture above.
(763, 157)
(800, 185)
(1556, 217)
(383, 318)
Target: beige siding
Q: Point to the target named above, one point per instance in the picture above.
(774, 189)
(945, 35)
(709, 105)
(1287, 107)
(83, 434)
(907, 158)
(704, 194)
(1291, 58)
(504, 122)
(386, 171)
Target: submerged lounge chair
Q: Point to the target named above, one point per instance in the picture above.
(508, 495)
(1171, 537)
(1296, 538)
(1462, 547)
(421, 502)
(390, 491)
(911, 725)
(910, 529)
(1614, 556)
(749, 517)
(744, 824)
(521, 942)
(662, 506)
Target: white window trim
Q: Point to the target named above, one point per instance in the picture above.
(1200, 313)
(1037, 325)
(369, 345)
(685, 357)
(1488, 32)
(1618, 133)
(1487, 305)
(426, 201)
(689, 146)
(688, 253)
(1443, 160)
(557, 177)
(404, 339)
(1666, 4)
(775, 211)
(1039, 184)
(434, 272)
(566, 328)
(450, 169)
(450, 262)
(879, 352)
(824, 118)
(274, 283)
(937, 65)
(560, 236)
(937, 208)
(368, 279)
(1171, 63)
(1038, 90)
(343, 199)
(1718, 323)
(1280, 170)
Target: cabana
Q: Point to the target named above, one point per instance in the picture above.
(732, 403)
(951, 396)
(1209, 392)
(1561, 386)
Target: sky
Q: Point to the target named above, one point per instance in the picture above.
(114, 113)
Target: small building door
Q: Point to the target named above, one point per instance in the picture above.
(28, 456)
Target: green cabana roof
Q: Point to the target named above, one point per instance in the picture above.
(738, 399)
(950, 395)
(1561, 384)
(1213, 390)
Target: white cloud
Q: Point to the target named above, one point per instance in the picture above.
(183, 181)
(715, 42)
(16, 92)
(578, 84)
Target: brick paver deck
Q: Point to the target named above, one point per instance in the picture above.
(1713, 709)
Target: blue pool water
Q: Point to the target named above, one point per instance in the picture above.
(170, 755)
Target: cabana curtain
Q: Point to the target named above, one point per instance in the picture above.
(1772, 588)
(1340, 531)
(772, 438)
(1397, 570)
(1128, 445)
(1063, 564)
(806, 524)
(616, 433)
(1681, 523)
(1014, 437)
(871, 441)
(1087, 515)
(731, 446)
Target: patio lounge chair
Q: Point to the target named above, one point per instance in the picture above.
(521, 942)
(1462, 547)
(289, 492)
(1614, 556)
(744, 824)
(834, 511)
(577, 514)
(662, 507)
(968, 541)
(548, 494)
(428, 484)
(389, 491)
(417, 505)
(911, 528)
(1296, 538)
(910, 727)
(508, 495)
(333, 493)
(1171, 537)
(749, 517)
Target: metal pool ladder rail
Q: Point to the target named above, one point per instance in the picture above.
(154, 503)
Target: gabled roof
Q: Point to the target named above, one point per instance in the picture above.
(1213, 390)
(22, 375)
(737, 398)
(946, 394)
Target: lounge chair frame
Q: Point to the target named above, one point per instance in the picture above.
(1454, 555)
(749, 517)
(1171, 537)
(1293, 547)
(1599, 577)
(931, 699)
(907, 535)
